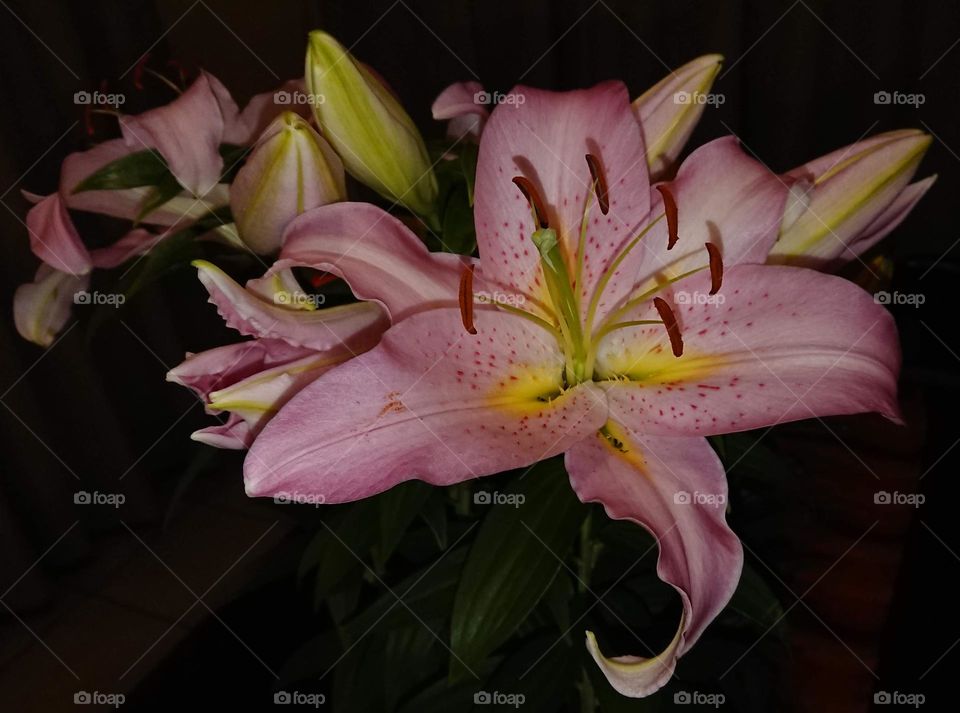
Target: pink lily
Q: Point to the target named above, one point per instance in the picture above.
(844, 203)
(586, 357)
(294, 343)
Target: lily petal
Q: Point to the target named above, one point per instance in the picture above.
(459, 104)
(54, 239)
(782, 344)
(376, 254)
(232, 435)
(42, 307)
(137, 242)
(261, 110)
(669, 110)
(249, 313)
(430, 402)
(675, 488)
(187, 132)
(545, 139)
(723, 197)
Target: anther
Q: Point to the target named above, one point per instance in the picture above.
(670, 209)
(716, 268)
(599, 182)
(466, 299)
(533, 198)
(670, 322)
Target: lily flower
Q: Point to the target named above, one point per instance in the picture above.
(844, 203)
(668, 111)
(294, 343)
(291, 170)
(378, 142)
(606, 319)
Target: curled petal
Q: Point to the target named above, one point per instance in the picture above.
(54, 239)
(462, 103)
(251, 314)
(376, 254)
(674, 488)
(187, 132)
(42, 307)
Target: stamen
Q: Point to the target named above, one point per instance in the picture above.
(716, 268)
(670, 322)
(599, 181)
(670, 208)
(466, 299)
(533, 198)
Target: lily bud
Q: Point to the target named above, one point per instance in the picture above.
(843, 203)
(670, 109)
(291, 170)
(377, 140)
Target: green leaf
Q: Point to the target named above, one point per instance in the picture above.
(161, 193)
(468, 164)
(398, 507)
(542, 671)
(557, 600)
(754, 601)
(143, 168)
(459, 233)
(434, 514)
(512, 563)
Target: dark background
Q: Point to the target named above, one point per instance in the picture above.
(798, 81)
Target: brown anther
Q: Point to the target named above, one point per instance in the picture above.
(716, 268)
(670, 210)
(466, 299)
(670, 322)
(533, 198)
(599, 182)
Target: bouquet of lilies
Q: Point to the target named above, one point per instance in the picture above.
(548, 279)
